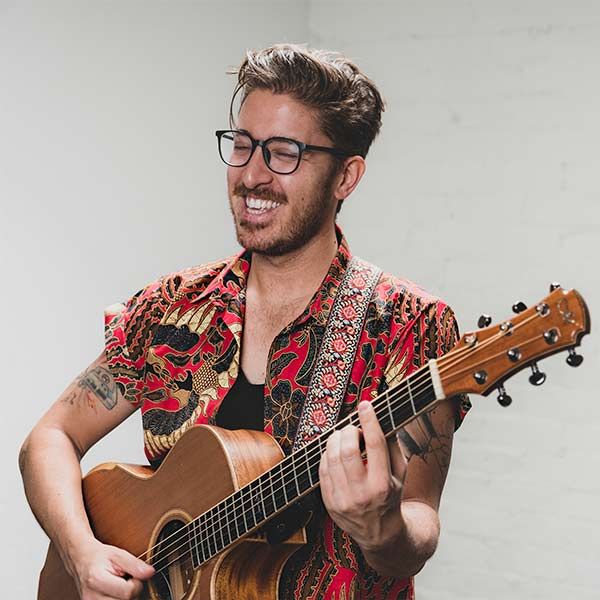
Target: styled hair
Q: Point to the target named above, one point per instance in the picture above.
(347, 102)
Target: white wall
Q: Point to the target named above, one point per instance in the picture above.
(484, 187)
(109, 177)
(481, 187)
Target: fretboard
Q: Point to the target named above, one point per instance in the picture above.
(250, 507)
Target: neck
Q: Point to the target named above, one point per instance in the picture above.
(251, 506)
(296, 274)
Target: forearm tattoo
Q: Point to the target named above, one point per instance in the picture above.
(23, 458)
(420, 438)
(94, 384)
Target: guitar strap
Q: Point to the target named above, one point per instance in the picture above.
(337, 352)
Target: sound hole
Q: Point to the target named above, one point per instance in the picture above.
(173, 563)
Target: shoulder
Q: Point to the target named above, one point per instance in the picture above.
(156, 297)
(407, 300)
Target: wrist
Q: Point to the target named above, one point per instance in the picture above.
(392, 532)
(408, 543)
(73, 548)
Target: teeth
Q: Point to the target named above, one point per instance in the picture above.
(258, 204)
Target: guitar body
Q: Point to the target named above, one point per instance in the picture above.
(135, 508)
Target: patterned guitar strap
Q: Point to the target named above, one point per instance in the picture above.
(337, 352)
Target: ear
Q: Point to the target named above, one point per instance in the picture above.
(350, 174)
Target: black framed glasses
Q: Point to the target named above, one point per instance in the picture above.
(282, 155)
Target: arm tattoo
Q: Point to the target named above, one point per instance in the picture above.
(426, 442)
(23, 458)
(92, 384)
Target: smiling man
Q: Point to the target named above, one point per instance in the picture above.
(235, 344)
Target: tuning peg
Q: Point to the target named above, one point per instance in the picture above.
(503, 398)
(554, 286)
(484, 321)
(537, 377)
(519, 307)
(574, 359)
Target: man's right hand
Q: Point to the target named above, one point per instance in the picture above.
(104, 572)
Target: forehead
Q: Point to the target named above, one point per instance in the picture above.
(265, 114)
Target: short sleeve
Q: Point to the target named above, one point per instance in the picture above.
(128, 331)
(431, 333)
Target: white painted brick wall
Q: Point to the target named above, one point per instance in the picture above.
(484, 180)
(484, 187)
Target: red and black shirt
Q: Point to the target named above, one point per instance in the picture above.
(174, 350)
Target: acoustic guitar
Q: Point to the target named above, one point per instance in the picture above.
(200, 518)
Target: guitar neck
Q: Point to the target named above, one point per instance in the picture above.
(250, 507)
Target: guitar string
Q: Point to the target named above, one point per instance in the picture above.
(285, 469)
(216, 519)
(176, 559)
(225, 510)
(267, 487)
(246, 506)
(418, 376)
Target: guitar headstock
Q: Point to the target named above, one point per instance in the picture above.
(483, 359)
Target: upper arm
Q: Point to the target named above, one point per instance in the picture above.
(111, 388)
(427, 444)
(427, 440)
(89, 408)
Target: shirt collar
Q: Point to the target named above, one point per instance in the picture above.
(228, 288)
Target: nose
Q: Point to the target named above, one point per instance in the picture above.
(256, 172)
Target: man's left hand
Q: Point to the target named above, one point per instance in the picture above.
(363, 497)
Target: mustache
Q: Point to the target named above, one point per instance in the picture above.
(261, 193)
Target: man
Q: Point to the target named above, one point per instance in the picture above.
(234, 344)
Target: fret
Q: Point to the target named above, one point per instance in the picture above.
(390, 414)
(194, 546)
(199, 545)
(294, 471)
(412, 400)
(307, 465)
(240, 513)
(246, 508)
(234, 509)
(253, 507)
(206, 554)
(261, 496)
(272, 490)
(281, 483)
(301, 474)
(225, 522)
(289, 488)
(218, 527)
(319, 446)
(425, 396)
(257, 502)
(211, 540)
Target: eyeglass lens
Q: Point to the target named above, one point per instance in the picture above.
(281, 156)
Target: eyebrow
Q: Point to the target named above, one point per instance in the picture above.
(287, 137)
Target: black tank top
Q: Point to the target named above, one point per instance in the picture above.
(243, 407)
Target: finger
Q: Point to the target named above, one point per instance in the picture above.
(133, 566)
(114, 586)
(325, 481)
(335, 468)
(375, 444)
(398, 460)
(136, 587)
(352, 461)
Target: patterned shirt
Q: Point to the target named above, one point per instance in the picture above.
(174, 350)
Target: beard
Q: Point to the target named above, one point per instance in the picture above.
(299, 228)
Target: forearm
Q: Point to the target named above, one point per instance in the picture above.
(51, 473)
(408, 543)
